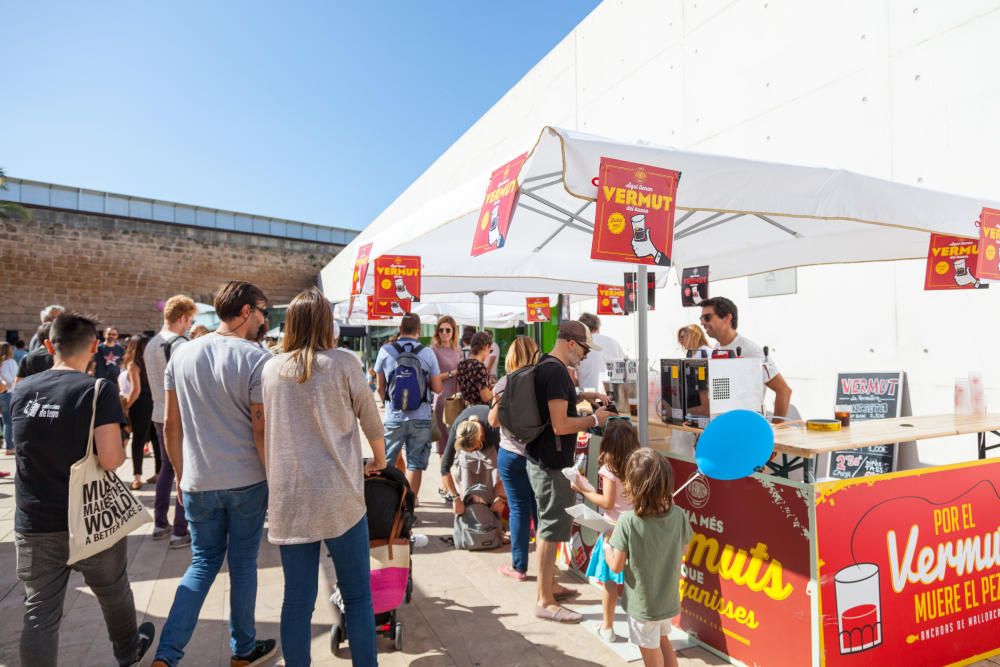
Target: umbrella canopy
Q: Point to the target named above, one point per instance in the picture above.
(740, 217)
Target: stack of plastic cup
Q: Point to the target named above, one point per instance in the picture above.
(963, 400)
(977, 393)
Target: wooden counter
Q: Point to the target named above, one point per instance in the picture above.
(800, 442)
(796, 440)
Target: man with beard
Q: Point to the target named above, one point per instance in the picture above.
(214, 429)
(554, 450)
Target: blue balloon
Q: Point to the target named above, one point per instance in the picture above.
(734, 445)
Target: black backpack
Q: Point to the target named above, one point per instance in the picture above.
(168, 345)
(518, 412)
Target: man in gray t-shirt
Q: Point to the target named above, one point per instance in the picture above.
(214, 428)
(178, 313)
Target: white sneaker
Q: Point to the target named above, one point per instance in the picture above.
(607, 634)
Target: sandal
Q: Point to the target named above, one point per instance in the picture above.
(136, 485)
(508, 571)
(560, 615)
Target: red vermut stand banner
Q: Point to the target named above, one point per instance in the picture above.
(951, 263)
(397, 277)
(747, 568)
(538, 308)
(610, 300)
(388, 308)
(498, 207)
(988, 266)
(909, 566)
(634, 222)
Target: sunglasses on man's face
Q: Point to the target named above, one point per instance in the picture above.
(263, 311)
(707, 317)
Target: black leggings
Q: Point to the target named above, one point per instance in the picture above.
(141, 417)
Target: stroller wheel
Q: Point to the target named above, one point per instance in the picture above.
(398, 639)
(336, 636)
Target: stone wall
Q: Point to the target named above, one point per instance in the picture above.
(119, 268)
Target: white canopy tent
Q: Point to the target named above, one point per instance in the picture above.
(738, 216)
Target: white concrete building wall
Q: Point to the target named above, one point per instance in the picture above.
(908, 91)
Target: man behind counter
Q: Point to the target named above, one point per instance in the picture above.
(720, 318)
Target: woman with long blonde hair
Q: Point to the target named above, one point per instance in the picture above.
(512, 464)
(449, 354)
(315, 395)
(693, 339)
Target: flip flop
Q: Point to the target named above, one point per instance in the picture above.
(560, 615)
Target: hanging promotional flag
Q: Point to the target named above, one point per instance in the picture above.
(634, 222)
(397, 277)
(951, 263)
(538, 308)
(498, 207)
(387, 308)
(694, 285)
(632, 297)
(360, 269)
(610, 300)
(988, 266)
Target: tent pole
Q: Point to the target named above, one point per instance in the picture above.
(482, 317)
(642, 381)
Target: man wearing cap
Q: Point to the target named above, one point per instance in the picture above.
(554, 450)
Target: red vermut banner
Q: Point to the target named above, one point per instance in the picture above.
(360, 269)
(909, 566)
(397, 277)
(951, 263)
(746, 570)
(988, 266)
(498, 208)
(634, 222)
(538, 309)
(387, 308)
(611, 300)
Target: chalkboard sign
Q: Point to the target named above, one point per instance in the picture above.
(871, 396)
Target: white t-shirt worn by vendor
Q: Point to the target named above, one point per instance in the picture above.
(752, 350)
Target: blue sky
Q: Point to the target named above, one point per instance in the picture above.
(316, 111)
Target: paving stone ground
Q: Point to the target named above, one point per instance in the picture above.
(463, 613)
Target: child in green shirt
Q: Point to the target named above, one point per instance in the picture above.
(653, 538)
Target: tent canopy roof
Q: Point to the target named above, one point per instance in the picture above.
(738, 216)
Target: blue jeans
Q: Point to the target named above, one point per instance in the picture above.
(415, 436)
(521, 499)
(8, 424)
(300, 563)
(232, 518)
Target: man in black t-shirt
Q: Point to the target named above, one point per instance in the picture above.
(39, 359)
(554, 450)
(51, 414)
(108, 359)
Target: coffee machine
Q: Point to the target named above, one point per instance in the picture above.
(703, 388)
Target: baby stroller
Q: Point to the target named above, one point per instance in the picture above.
(389, 502)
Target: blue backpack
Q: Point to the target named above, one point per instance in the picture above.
(408, 381)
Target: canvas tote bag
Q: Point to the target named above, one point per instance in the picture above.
(102, 510)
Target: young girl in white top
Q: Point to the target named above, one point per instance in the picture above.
(619, 441)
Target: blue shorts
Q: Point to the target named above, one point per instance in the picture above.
(598, 566)
(413, 435)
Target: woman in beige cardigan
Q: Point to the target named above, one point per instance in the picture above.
(315, 396)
